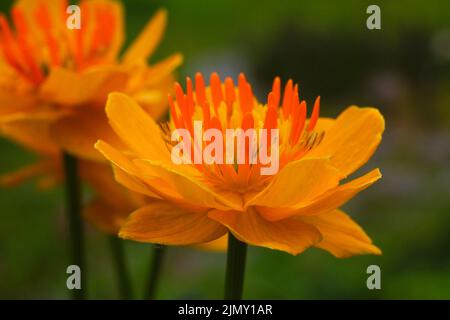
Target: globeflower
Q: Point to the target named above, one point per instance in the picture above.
(296, 208)
(54, 83)
(54, 80)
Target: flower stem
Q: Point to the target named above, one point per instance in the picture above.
(234, 281)
(73, 207)
(155, 272)
(121, 268)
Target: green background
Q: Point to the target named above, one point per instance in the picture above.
(403, 69)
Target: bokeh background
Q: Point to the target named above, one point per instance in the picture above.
(403, 69)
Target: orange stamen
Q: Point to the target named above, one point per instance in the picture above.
(230, 95)
(200, 91)
(276, 91)
(190, 97)
(22, 32)
(43, 20)
(270, 123)
(245, 94)
(314, 114)
(298, 122)
(8, 44)
(287, 98)
(216, 90)
(173, 113)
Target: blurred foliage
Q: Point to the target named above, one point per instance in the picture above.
(404, 69)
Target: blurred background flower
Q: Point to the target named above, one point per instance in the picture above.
(403, 69)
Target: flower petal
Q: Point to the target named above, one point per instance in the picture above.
(67, 87)
(136, 128)
(31, 132)
(132, 183)
(352, 140)
(148, 39)
(298, 182)
(342, 236)
(147, 186)
(292, 236)
(328, 201)
(13, 102)
(161, 222)
(163, 69)
(191, 189)
(78, 132)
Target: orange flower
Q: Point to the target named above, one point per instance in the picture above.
(294, 209)
(58, 79)
(54, 83)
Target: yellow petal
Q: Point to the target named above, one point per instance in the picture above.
(31, 132)
(163, 69)
(78, 132)
(292, 236)
(191, 188)
(328, 201)
(67, 87)
(298, 182)
(136, 128)
(12, 103)
(160, 222)
(148, 39)
(146, 185)
(342, 236)
(352, 139)
(132, 183)
(323, 124)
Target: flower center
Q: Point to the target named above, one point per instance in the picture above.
(224, 106)
(40, 39)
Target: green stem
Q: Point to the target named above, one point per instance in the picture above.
(121, 268)
(73, 198)
(155, 272)
(234, 281)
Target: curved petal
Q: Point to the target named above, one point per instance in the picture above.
(191, 189)
(136, 128)
(78, 132)
(69, 88)
(150, 184)
(323, 124)
(148, 39)
(160, 222)
(33, 133)
(13, 102)
(292, 236)
(298, 182)
(352, 139)
(132, 183)
(163, 69)
(342, 236)
(330, 200)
